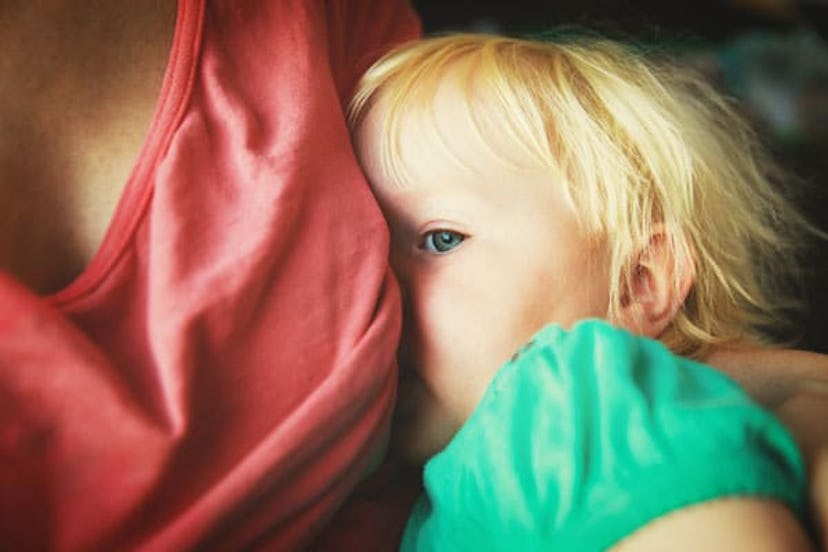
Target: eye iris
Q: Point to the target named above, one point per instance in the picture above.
(445, 240)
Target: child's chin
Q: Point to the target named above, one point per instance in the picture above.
(417, 434)
(406, 443)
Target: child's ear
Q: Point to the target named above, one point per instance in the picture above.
(659, 281)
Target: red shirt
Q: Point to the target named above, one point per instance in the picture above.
(222, 373)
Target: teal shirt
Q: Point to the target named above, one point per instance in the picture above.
(587, 435)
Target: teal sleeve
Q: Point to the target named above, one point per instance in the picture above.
(589, 434)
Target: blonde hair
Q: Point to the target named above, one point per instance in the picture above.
(643, 147)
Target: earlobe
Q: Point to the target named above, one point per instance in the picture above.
(658, 283)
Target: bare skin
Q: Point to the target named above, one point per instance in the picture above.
(794, 385)
(733, 525)
(74, 115)
(80, 81)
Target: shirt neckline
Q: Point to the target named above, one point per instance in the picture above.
(176, 88)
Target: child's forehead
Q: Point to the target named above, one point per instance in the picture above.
(458, 118)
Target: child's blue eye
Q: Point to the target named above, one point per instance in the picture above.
(441, 241)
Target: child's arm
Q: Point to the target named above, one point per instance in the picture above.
(794, 385)
(806, 415)
(727, 525)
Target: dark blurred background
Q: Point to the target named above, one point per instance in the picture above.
(770, 54)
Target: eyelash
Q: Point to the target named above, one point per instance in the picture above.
(454, 239)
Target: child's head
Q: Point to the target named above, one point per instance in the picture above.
(531, 182)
